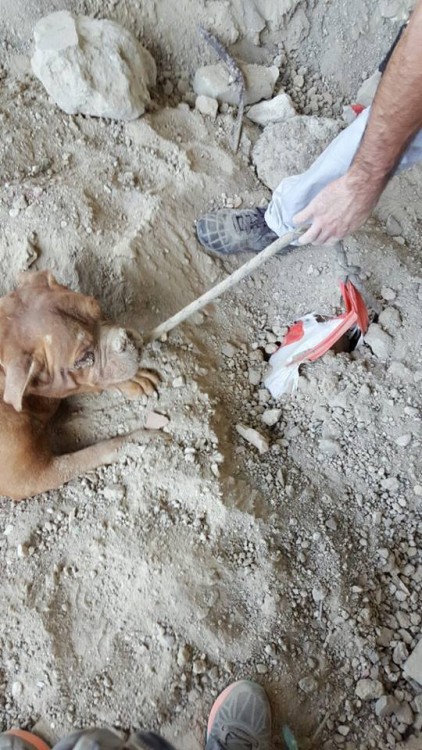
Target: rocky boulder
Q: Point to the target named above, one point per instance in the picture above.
(92, 66)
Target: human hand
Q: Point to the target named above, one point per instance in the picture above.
(338, 209)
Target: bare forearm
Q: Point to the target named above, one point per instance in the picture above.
(396, 114)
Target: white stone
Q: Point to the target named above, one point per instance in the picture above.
(390, 319)
(390, 484)
(215, 81)
(288, 148)
(92, 66)
(253, 437)
(156, 421)
(367, 91)
(17, 689)
(404, 440)
(207, 106)
(388, 294)
(270, 417)
(178, 382)
(404, 714)
(380, 342)
(385, 706)
(369, 690)
(413, 665)
(278, 109)
(228, 350)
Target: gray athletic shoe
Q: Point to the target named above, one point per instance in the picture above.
(229, 231)
(240, 719)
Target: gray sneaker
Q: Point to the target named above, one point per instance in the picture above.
(240, 719)
(229, 231)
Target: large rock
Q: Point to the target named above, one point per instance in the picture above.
(289, 148)
(215, 81)
(273, 110)
(92, 66)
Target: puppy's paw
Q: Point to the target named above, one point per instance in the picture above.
(144, 383)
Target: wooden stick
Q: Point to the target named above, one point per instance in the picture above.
(282, 243)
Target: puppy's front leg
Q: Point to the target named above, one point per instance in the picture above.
(145, 382)
(61, 469)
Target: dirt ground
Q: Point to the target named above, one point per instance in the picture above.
(132, 596)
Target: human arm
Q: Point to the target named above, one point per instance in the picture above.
(396, 116)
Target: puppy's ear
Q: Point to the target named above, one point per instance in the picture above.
(84, 308)
(37, 279)
(19, 373)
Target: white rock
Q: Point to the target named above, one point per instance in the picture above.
(17, 689)
(330, 447)
(367, 91)
(390, 319)
(214, 81)
(385, 706)
(380, 342)
(178, 382)
(404, 440)
(390, 484)
(270, 417)
(288, 148)
(393, 227)
(388, 294)
(92, 66)
(156, 421)
(404, 714)
(253, 437)
(396, 10)
(278, 109)
(369, 690)
(207, 106)
(318, 594)
(413, 665)
(228, 350)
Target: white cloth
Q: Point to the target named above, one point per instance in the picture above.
(294, 193)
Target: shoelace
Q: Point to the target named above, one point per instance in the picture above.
(251, 222)
(235, 739)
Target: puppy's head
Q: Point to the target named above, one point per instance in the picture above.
(53, 342)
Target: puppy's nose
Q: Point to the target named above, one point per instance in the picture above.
(120, 341)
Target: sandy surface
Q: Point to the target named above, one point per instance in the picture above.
(132, 596)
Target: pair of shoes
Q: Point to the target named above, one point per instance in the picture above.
(240, 719)
(227, 231)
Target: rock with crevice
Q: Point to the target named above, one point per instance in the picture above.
(93, 67)
(289, 148)
(278, 109)
(216, 82)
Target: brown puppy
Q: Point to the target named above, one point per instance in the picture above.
(54, 343)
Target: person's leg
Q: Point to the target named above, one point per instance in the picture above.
(229, 231)
(291, 196)
(294, 193)
(240, 719)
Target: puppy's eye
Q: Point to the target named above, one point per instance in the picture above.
(87, 360)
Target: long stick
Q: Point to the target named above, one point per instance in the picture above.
(251, 265)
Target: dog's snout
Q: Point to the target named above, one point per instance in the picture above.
(120, 341)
